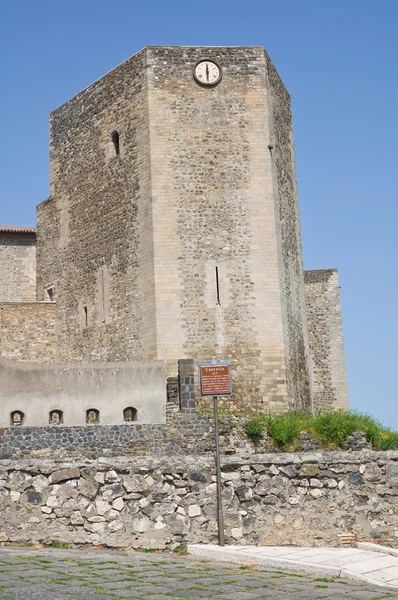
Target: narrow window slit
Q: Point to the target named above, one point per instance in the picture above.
(218, 288)
(116, 143)
(85, 316)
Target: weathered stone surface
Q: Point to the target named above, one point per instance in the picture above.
(355, 478)
(32, 497)
(179, 524)
(111, 477)
(88, 488)
(112, 492)
(309, 471)
(141, 524)
(19, 481)
(64, 475)
(96, 519)
(262, 488)
(194, 510)
(316, 493)
(244, 494)
(316, 483)
(392, 472)
(39, 483)
(77, 518)
(372, 472)
(118, 504)
(102, 507)
(288, 470)
(135, 483)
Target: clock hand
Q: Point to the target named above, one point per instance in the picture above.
(207, 71)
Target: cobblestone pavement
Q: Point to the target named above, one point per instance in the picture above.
(55, 574)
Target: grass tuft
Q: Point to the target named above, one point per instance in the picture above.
(330, 429)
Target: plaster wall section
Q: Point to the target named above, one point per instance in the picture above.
(326, 340)
(95, 239)
(28, 331)
(17, 266)
(215, 220)
(290, 258)
(37, 389)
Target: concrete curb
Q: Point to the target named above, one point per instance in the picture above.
(227, 555)
(258, 556)
(377, 548)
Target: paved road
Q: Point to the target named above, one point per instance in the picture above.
(55, 574)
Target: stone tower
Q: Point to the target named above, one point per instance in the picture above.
(172, 230)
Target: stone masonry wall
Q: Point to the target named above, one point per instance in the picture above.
(17, 267)
(159, 502)
(94, 236)
(219, 203)
(28, 331)
(326, 340)
(281, 148)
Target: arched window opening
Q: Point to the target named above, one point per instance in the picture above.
(130, 414)
(56, 417)
(116, 143)
(92, 416)
(17, 418)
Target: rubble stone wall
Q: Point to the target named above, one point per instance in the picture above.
(159, 502)
(182, 434)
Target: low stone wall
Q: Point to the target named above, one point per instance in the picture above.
(182, 434)
(150, 502)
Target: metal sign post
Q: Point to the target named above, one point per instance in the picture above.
(215, 380)
(218, 476)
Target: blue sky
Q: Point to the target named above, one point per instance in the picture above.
(338, 59)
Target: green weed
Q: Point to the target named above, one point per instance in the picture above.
(57, 544)
(330, 429)
(181, 549)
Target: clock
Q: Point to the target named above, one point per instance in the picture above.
(207, 72)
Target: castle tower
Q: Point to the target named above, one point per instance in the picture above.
(172, 229)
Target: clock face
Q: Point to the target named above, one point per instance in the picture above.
(207, 72)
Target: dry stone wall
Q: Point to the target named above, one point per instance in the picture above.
(159, 502)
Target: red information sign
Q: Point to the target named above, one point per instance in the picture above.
(215, 380)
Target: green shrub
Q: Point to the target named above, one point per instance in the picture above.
(389, 440)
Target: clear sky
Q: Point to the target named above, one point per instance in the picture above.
(338, 59)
